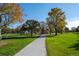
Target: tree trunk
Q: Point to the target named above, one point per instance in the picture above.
(55, 31)
(0, 18)
(31, 32)
(61, 32)
(50, 32)
(0, 35)
(0, 27)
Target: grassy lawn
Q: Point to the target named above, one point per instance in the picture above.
(66, 44)
(12, 46)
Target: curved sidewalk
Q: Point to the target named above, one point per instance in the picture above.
(36, 48)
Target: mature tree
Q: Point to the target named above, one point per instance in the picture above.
(57, 18)
(31, 25)
(10, 12)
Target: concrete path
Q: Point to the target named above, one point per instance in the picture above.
(36, 48)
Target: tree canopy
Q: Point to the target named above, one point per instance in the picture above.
(57, 19)
(31, 25)
(12, 12)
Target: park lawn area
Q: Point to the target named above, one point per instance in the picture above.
(10, 47)
(66, 44)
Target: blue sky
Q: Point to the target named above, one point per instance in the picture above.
(39, 11)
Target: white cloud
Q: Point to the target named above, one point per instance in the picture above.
(73, 23)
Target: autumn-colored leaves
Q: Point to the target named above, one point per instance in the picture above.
(56, 20)
(12, 11)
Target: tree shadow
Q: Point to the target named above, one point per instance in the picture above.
(20, 37)
(76, 32)
(75, 46)
(50, 36)
(10, 37)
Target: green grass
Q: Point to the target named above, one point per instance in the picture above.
(63, 45)
(10, 47)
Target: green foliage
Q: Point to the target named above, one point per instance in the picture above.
(11, 12)
(31, 25)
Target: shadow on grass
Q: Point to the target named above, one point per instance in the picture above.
(9, 37)
(20, 37)
(76, 46)
(76, 32)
